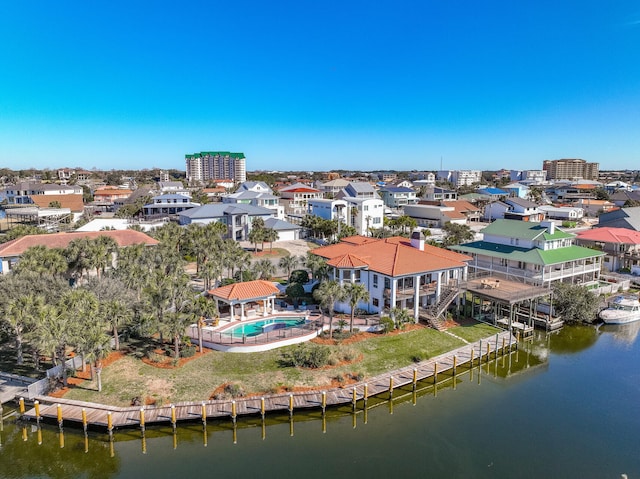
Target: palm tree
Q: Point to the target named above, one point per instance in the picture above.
(19, 314)
(270, 235)
(211, 270)
(264, 268)
(255, 236)
(401, 316)
(201, 309)
(327, 294)
(42, 260)
(355, 293)
(289, 263)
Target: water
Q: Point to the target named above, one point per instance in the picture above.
(567, 405)
(257, 327)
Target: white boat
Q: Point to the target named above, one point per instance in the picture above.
(623, 309)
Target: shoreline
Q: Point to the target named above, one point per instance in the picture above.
(87, 414)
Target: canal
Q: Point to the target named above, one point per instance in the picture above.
(564, 405)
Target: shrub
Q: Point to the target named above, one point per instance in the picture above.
(234, 390)
(387, 324)
(155, 357)
(188, 351)
(306, 356)
(349, 355)
(359, 376)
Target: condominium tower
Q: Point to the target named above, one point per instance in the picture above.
(570, 169)
(216, 165)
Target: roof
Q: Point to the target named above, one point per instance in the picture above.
(461, 206)
(280, 225)
(73, 202)
(112, 191)
(397, 189)
(123, 238)
(527, 255)
(391, 256)
(245, 291)
(361, 187)
(624, 217)
(218, 210)
(611, 235)
(215, 153)
(524, 230)
(521, 202)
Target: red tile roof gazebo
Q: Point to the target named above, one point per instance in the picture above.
(246, 292)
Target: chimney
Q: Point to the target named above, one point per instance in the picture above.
(550, 225)
(417, 240)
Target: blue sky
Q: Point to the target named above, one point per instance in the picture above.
(320, 85)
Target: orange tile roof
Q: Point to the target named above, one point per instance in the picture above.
(123, 238)
(247, 290)
(348, 260)
(454, 215)
(461, 206)
(392, 256)
(73, 202)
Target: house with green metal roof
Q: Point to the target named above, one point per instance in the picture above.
(533, 253)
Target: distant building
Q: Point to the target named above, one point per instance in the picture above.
(530, 177)
(214, 165)
(460, 177)
(570, 169)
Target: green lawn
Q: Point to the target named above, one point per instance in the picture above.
(260, 372)
(474, 332)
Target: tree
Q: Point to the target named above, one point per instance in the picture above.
(270, 235)
(574, 303)
(42, 260)
(22, 230)
(327, 294)
(264, 268)
(288, 263)
(355, 293)
(456, 234)
(255, 236)
(202, 308)
(19, 314)
(295, 291)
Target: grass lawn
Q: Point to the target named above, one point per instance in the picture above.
(473, 331)
(256, 373)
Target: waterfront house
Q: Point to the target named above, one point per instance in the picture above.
(397, 272)
(620, 245)
(534, 253)
(11, 251)
(622, 218)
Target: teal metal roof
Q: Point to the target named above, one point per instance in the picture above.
(523, 230)
(534, 255)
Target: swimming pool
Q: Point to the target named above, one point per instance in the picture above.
(264, 326)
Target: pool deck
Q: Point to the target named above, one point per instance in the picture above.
(446, 365)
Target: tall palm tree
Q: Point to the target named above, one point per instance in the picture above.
(19, 314)
(264, 268)
(355, 293)
(42, 260)
(327, 294)
(270, 235)
(211, 271)
(289, 263)
(202, 308)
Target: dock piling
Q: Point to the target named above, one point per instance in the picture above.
(36, 407)
(22, 408)
(390, 387)
(59, 414)
(435, 373)
(84, 420)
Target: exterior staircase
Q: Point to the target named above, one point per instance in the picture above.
(434, 313)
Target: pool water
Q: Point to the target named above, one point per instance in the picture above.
(259, 327)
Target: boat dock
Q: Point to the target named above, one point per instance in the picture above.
(110, 417)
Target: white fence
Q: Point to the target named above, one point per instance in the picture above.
(41, 387)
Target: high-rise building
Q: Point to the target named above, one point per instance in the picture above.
(460, 177)
(570, 169)
(216, 165)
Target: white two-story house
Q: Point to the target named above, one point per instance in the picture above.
(533, 253)
(397, 272)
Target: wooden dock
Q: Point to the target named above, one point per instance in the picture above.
(104, 416)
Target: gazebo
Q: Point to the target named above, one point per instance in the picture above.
(246, 292)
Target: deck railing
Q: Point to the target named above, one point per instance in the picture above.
(222, 337)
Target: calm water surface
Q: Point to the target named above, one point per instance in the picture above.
(566, 405)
